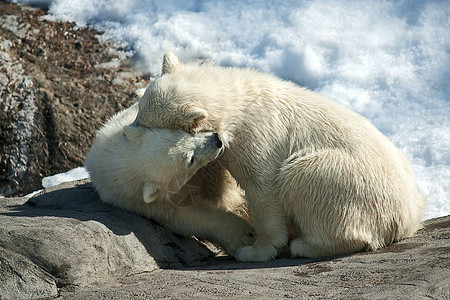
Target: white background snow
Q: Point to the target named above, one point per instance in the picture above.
(387, 60)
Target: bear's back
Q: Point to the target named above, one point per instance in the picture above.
(108, 161)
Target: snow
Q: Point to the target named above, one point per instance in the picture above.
(387, 60)
(50, 181)
(75, 174)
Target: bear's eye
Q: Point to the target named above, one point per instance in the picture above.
(191, 162)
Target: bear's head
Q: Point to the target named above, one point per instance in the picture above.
(171, 157)
(171, 101)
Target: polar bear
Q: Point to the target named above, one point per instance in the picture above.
(171, 177)
(302, 159)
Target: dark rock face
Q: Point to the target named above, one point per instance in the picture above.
(57, 86)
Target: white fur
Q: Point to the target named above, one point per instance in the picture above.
(300, 157)
(168, 175)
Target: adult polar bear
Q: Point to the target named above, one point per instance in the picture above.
(166, 175)
(300, 157)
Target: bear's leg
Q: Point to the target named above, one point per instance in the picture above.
(229, 230)
(300, 248)
(271, 228)
(316, 190)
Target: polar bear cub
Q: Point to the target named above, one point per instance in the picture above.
(301, 158)
(169, 176)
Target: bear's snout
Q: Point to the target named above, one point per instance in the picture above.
(217, 139)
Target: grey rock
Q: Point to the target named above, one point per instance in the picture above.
(21, 278)
(66, 242)
(417, 268)
(66, 238)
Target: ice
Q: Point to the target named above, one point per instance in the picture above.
(75, 174)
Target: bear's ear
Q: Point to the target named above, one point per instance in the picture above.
(132, 132)
(150, 192)
(195, 115)
(207, 62)
(171, 63)
(137, 94)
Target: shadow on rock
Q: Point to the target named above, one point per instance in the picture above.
(66, 237)
(65, 240)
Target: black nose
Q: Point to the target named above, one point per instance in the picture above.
(218, 141)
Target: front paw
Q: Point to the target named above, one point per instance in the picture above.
(256, 254)
(237, 236)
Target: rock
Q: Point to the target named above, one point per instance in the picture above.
(20, 278)
(65, 238)
(417, 268)
(66, 242)
(58, 84)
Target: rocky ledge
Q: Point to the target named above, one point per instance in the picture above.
(66, 243)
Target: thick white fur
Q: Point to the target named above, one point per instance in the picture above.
(149, 171)
(301, 158)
